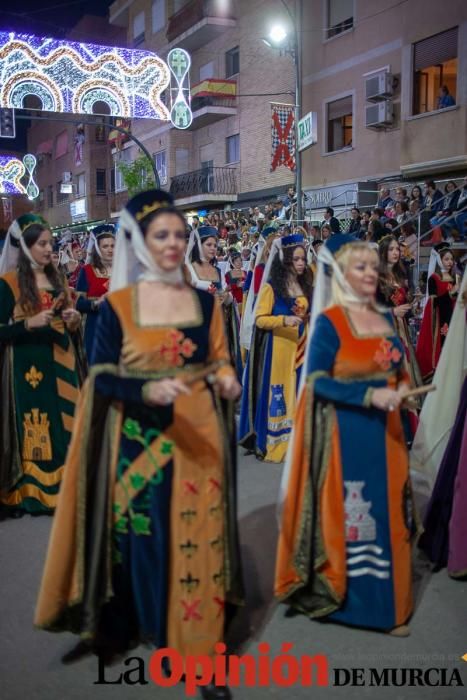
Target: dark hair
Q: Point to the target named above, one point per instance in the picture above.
(355, 209)
(445, 89)
(378, 230)
(280, 270)
(96, 260)
(195, 256)
(449, 182)
(430, 183)
(403, 205)
(412, 196)
(378, 211)
(398, 270)
(29, 298)
(330, 210)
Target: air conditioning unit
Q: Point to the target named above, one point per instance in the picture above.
(379, 86)
(379, 115)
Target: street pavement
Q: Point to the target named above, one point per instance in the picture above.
(30, 665)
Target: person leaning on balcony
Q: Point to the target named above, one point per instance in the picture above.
(445, 99)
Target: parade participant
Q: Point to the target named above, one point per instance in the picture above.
(158, 463)
(235, 279)
(38, 369)
(393, 291)
(445, 524)
(443, 286)
(205, 274)
(93, 280)
(276, 356)
(344, 544)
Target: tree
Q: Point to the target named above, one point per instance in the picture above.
(138, 176)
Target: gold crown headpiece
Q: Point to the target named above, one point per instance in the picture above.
(149, 208)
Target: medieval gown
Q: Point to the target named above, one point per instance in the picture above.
(144, 543)
(344, 546)
(272, 376)
(91, 286)
(435, 324)
(39, 391)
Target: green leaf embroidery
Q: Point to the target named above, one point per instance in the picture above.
(131, 429)
(140, 524)
(137, 481)
(166, 447)
(121, 525)
(117, 556)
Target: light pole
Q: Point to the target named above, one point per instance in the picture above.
(278, 39)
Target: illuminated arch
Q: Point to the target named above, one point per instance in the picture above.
(94, 91)
(25, 83)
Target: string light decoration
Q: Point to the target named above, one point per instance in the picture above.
(180, 96)
(12, 171)
(73, 77)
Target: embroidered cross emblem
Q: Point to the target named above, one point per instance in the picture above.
(176, 348)
(190, 487)
(188, 548)
(444, 329)
(214, 484)
(386, 355)
(189, 583)
(188, 515)
(191, 612)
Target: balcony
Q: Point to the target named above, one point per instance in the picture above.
(197, 23)
(205, 186)
(212, 100)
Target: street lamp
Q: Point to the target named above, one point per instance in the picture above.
(278, 39)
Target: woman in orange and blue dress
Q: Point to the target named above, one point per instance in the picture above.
(344, 547)
(93, 280)
(150, 504)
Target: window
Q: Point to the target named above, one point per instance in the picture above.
(232, 154)
(434, 67)
(160, 160)
(138, 28)
(100, 133)
(158, 15)
(61, 196)
(117, 184)
(339, 17)
(232, 62)
(339, 120)
(206, 71)
(101, 184)
(61, 144)
(81, 185)
(182, 160)
(50, 196)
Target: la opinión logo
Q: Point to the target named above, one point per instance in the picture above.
(167, 667)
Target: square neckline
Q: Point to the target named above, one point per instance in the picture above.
(356, 334)
(196, 323)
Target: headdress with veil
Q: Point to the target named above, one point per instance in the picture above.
(197, 236)
(98, 232)
(14, 239)
(132, 259)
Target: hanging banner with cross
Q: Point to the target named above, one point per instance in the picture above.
(283, 136)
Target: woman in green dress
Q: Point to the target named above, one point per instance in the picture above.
(37, 369)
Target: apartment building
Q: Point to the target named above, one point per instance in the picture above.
(224, 158)
(372, 70)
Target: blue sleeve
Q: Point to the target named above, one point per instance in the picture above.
(325, 344)
(83, 304)
(106, 350)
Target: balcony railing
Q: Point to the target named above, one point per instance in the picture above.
(194, 12)
(207, 181)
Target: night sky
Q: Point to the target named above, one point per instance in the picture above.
(48, 17)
